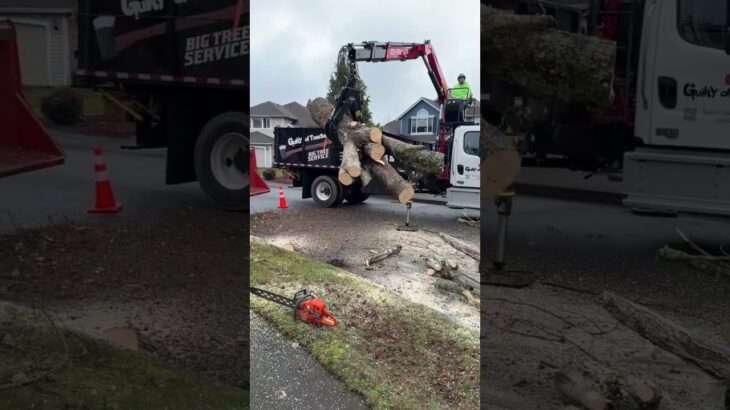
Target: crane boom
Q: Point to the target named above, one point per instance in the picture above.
(373, 51)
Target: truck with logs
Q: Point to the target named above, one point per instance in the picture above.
(637, 89)
(346, 159)
(180, 69)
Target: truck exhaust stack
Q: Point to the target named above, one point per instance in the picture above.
(24, 143)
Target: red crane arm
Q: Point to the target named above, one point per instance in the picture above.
(376, 52)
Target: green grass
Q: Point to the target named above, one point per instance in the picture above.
(93, 101)
(97, 376)
(395, 353)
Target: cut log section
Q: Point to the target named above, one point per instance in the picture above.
(376, 135)
(645, 394)
(393, 182)
(530, 52)
(382, 255)
(345, 178)
(713, 358)
(461, 246)
(375, 151)
(449, 286)
(576, 389)
(350, 158)
(471, 299)
(433, 264)
(467, 281)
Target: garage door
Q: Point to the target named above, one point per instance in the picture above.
(263, 157)
(33, 52)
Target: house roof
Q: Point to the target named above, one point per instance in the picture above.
(304, 119)
(260, 138)
(428, 101)
(271, 109)
(392, 127)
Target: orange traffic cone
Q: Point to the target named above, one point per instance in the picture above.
(105, 202)
(282, 200)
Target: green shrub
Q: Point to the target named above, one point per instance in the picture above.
(269, 174)
(63, 106)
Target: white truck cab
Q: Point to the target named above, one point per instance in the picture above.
(682, 110)
(465, 168)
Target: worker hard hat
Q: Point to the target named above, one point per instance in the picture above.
(461, 75)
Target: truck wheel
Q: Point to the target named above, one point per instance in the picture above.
(221, 160)
(326, 191)
(355, 196)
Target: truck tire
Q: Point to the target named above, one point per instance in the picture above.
(326, 191)
(221, 160)
(355, 196)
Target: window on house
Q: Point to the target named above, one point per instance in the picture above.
(422, 123)
(703, 22)
(471, 143)
(260, 122)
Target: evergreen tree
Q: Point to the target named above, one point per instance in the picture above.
(338, 80)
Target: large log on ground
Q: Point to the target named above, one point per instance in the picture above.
(461, 246)
(394, 183)
(528, 51)
(713, 358)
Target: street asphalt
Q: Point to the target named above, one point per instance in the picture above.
(593, 246)
(67, 191)
(306, 385)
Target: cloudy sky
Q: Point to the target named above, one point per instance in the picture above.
(294, 46)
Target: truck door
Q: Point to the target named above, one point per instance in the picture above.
(688, 83)
(465, 158)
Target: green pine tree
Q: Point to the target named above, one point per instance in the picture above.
(338, 79)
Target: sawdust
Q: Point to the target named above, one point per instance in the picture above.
(530, 334)
(345, 236)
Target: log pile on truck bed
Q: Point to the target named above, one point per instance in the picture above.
(364, 149)
(530, 52)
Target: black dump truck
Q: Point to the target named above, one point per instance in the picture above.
(180, 68)
(314, 160)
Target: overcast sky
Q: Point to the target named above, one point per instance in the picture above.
(294, 46)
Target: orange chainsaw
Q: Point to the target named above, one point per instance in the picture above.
(307, 307)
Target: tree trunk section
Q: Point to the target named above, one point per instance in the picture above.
(345, 178)
(415, 156)
(350, 158)
(383, 255)
(374, 151)
(714, 359)
(412, 156)
(461, 246)
(528, 51)
(576, 389)
(365, 177)
(376, 135)
(394, 183)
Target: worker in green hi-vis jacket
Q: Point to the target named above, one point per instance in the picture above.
(461, 91)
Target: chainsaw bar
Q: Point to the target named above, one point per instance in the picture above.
(274, 297)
